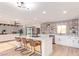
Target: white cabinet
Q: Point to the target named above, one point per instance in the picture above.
(67, 40)
(63, 40)
(56, 39)
(75, 42)
(8, 37)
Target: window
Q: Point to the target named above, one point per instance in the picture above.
(61, 29)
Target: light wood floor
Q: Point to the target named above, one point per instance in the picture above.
(8, 49)
(7, 45)
(58, 50)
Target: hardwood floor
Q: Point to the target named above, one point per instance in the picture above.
(7, 45)
(58, 50)
(8, 49)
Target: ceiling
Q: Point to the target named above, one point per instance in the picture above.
(54, 12)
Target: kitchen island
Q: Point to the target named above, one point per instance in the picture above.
(46, 44)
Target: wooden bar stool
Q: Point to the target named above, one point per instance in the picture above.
(24, 42)
(38, 42)
(18, 40)
(33, 44)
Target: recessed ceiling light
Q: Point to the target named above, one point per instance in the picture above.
(44, 12)
(64, 12)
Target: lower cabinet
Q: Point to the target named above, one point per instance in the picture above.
(67, 40)
(75, 42)
(8, 37)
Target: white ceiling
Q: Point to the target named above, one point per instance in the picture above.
(54, 12)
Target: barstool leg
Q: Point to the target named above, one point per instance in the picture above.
(40, 50)
(32, 52)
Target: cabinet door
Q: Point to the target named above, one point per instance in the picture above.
(69, 41)
(60, 40)
(57, 39)
(63, 40)
(76, 43)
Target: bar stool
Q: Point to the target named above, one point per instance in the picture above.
(19, 46)
(24, 42)
(38, 42)
(33, 44)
